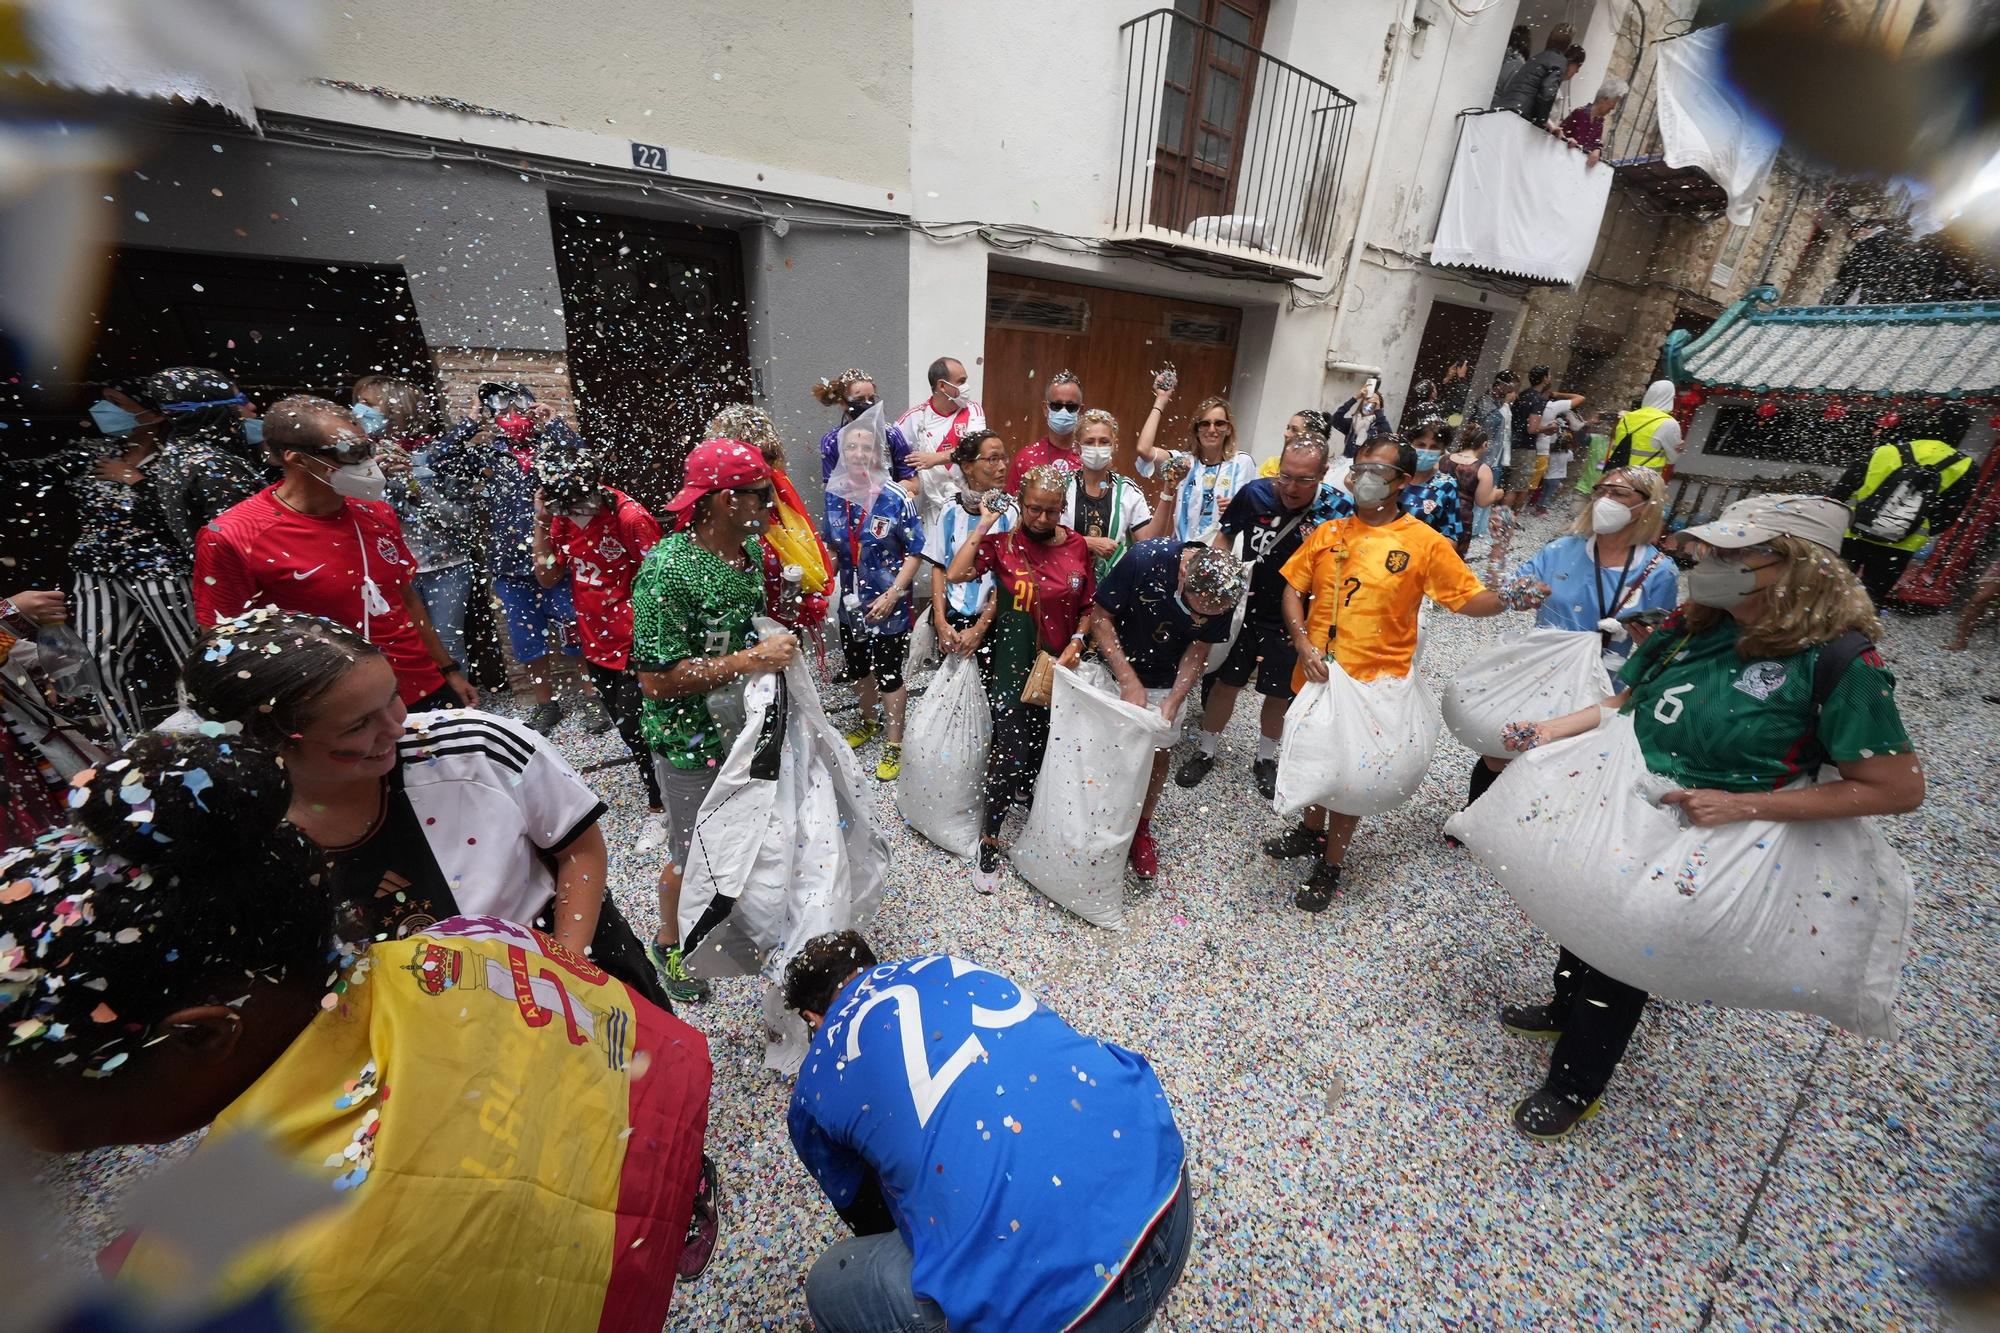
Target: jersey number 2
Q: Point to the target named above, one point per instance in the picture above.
(927, 1089)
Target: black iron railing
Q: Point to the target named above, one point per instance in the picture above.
(1224, 148)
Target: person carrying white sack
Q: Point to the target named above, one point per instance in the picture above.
(1722, 700)
(1367, 576)
(1606, 568)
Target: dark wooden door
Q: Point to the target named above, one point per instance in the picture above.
(1205, 109)
(1111, 340)
(659, 338)
(1452, 333)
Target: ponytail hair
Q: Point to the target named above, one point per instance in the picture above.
(833, 392)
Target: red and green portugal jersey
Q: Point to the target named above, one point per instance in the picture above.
(1708, 718)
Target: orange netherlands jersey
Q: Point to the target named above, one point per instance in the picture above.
(1367, 584)
(509, 1137)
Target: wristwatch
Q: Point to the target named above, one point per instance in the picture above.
(447, 668)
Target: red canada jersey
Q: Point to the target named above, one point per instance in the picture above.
(603, 556)
(263, 552)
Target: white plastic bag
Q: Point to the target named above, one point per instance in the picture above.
(941, 788)
(1811, 916)
(1530, 677)
(862, 468)
(923, 643)
(793, 855)
(1087, 799)
(1357, 749)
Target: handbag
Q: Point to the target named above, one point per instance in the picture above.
(1041, 682)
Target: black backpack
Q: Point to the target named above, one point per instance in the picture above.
(1904, 501)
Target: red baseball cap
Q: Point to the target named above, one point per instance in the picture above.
(719, 465)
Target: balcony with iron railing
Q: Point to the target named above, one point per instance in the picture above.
(1229, 158)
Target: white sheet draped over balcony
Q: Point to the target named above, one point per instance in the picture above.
(1521, 201)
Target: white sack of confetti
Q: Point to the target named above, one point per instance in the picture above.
(796, 852)
(1530, 677)
(940, 790)
(1812, 916)
(1355, 748)
(1087, 799)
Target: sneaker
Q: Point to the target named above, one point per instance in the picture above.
(674, 974)
(1547, 1115)
(1316, 894)
(545, 717)
(1144, 859)
(1532, 1020)
(986, 868)
(603, 722)
(892, 761)
(864, 731)
(1265, 771)
(1194, 768)
(704, 1224)
(1298, 840)
(653, 834)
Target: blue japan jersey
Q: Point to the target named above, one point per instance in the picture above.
(1023, 1161)
(870, 554)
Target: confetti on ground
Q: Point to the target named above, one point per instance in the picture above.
(1345, 1088)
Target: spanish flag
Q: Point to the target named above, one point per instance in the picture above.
(510, 1137)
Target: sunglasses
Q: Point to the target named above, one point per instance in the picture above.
(762, 494)
(346, 449)
(1211, 425)
(1055, 406)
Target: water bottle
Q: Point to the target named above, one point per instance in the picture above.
(791, 585)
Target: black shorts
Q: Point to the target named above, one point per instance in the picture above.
(1266, 647)
(983, 654)
(877, 655)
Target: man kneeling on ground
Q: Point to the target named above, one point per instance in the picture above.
(1032, 1180)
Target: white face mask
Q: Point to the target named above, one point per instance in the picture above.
(1097, 457)
(1607, 515)
(1371, 490)
(357, 481)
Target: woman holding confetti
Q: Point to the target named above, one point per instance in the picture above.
(1215, 470)
(464, 1098)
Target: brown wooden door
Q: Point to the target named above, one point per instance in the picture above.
(1111, 340)
(1452, 333)
(1205, 109)
(658, 338)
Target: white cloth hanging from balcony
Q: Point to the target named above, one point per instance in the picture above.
(1705, 125)
(1520, 201)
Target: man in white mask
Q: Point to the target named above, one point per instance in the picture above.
(323, 542)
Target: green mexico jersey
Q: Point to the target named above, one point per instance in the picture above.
(1708, 718)
(688, 602)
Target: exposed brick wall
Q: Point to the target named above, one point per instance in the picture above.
(461, 370)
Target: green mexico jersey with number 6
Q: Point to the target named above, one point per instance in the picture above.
(1708, 718)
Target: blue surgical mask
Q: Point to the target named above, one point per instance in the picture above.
(253, 430)
(1062, 420)
(371, 419)
(112, 419)
(1428, 459)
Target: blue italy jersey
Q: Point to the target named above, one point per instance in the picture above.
(1023, 1161)
(870, 552)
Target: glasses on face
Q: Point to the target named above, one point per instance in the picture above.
(1284, 479)
(1055, 405)
(344, 449)
(762, 493)
(1622, 494)
(1381, 471)
(1211, 425)
(1043, 511)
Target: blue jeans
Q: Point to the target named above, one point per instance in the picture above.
(863, 1285)
(447, 593)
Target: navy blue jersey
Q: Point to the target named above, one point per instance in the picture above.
(1142, 595)
(1270, 537)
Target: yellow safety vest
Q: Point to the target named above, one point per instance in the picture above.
(1884, 462)
(1639, 426)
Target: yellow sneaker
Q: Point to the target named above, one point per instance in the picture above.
(864, 731)
(892, 761)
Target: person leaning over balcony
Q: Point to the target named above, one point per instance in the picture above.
(1533, 90)
(1584, 126)
(1520, 46)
